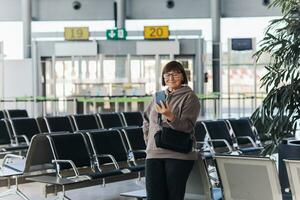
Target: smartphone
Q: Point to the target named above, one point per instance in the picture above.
(160, 96)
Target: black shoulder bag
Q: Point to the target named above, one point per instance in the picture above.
(172, 139)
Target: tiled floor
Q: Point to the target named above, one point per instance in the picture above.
(110, 192)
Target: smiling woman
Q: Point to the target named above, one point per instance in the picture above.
(167, 169)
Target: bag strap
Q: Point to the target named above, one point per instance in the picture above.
(159, 119)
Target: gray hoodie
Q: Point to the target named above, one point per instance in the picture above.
(186, 107)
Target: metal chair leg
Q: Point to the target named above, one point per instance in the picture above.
(21, 194)
(62, 195)
(18, 192)
(7, 192)
(14, 191)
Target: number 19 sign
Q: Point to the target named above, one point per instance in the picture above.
(76, 33)
(156, 32)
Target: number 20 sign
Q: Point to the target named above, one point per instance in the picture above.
(156, 32)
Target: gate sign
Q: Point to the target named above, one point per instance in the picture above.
(76, 33)
(116, 34)
(156, 32)
(241, 44)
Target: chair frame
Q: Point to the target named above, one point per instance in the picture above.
(253, 161)
(292, 168)
(28, 161)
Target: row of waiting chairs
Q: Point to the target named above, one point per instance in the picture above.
(227, 136)
(119, 119)
(83, 153)
(92, 121)
(221, 135)
(17, 131)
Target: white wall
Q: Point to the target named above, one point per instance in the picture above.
(18, 81)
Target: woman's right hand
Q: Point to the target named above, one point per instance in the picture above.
(165, 109)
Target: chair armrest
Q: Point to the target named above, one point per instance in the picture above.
(249, 138)
(24, 137)
(131, 156)
(202, 146)
(111, 158)
(224, 141)
(10, 156)
(5, 151)
(139, 151)
(70, 162)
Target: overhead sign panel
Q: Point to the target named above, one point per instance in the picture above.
(75, 48)
(156, 32)
(157, 47)
(76, 33)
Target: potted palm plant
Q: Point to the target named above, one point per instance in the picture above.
(277, 117)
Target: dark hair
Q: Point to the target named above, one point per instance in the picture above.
(174, 66)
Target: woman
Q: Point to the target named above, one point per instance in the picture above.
(167, 171)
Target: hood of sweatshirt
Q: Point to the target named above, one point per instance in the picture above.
(179, 92)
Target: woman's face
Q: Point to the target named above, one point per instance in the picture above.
(173, 80)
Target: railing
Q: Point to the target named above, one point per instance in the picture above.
(214, 105)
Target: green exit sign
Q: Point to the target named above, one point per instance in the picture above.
(116, 34)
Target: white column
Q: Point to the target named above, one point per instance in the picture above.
(26, 18)
(216, 50)
(121, 13)
(1, 73)
(157, 73)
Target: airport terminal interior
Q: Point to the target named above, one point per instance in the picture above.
(77, 75)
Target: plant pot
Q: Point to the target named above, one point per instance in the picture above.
(288, 149)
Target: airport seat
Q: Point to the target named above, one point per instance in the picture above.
(132, 118)
(110, 120)
(135, 142)
(59, 124)
(219, 136)
(70, 151)
(7, 142)
(85, 122)
(77, 166)
(14, 113)
(42, 124)
(293, 172)
(200, 132)
(202, 140)
(223, 140)
(248, 178)
(38, 161)
(24, 129)
(5, 137)
(244, 132)
(110, 142)
(201, 136)
(246, 138)
(2, 114)
(199, 184)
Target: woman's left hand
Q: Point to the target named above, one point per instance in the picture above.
(164, 109)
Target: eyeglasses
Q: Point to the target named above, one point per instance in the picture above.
(175, 75)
